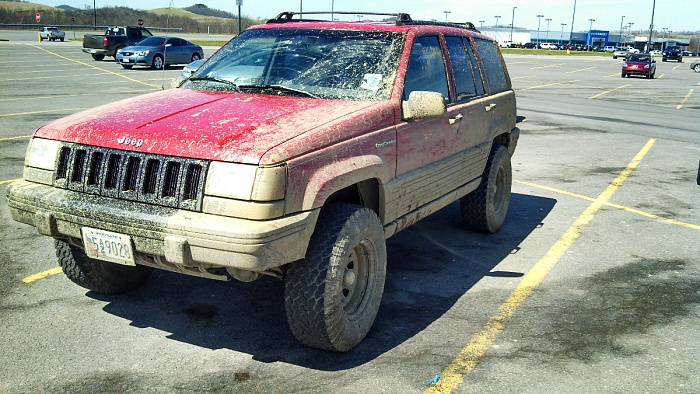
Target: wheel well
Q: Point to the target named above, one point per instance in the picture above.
(503, 139)
(365, 193)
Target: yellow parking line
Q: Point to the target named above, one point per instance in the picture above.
(674, 68)
(549, 84)
(15, 138)
(613, 75)
(468, 357)
(10, 181)
(687, 96)
(609, 91)
(660, 76)
(42, 275)
(549, 66)
(621, 207)
(579, 70)
(42, 112)
(51, 77)
(97, 68)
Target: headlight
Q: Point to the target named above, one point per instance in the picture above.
(119, 50)
(42, 153)
(647, 65)
(245, 182)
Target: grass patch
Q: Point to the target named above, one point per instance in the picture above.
(212, 43)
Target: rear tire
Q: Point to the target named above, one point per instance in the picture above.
(696, 68)
(98, 57)
(96, 275)
(333, 295)
(485, 208)
(195, 57)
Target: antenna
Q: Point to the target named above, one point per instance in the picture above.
(165, 45)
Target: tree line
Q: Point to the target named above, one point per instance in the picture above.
(120, 16)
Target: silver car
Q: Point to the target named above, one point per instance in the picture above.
(159, 51)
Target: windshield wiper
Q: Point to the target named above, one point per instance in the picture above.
(281, 88)
(216, 79)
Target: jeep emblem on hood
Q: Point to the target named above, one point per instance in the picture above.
(130, 141)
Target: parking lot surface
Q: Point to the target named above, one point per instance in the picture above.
(592, 285)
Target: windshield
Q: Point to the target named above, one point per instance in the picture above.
(151, 42)
(640, 58)
(332, 64)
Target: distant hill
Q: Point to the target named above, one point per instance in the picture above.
(204, 20)
(202, 9)
(67, 8)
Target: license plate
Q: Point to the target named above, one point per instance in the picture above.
(108, 246)
(126, 60)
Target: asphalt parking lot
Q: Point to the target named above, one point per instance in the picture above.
(592, 285)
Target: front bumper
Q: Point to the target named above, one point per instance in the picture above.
(182, 238)
(134, 60)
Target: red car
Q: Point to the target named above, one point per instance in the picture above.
(639, 64)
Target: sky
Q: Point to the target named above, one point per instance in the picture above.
(674, 15)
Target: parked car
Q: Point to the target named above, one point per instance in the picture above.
(114, 39)
(610, 49)
(186, 72)
(695, 66)
(530, 45)
(673, 52)
(639, 64)
(549, 45)
(656, 52)
(621, 52)
(159, 51)
(294, 152)
(51, 33)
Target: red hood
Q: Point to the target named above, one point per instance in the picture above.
(216, 126)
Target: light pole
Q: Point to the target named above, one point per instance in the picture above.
(539, 19)
(94, 9)
(332, 10)
(497, 17)
(651, 26)
(561, 37)
(590, 35)
(512, 21)
(481, 23)
(446, 12)
(239, 3)
(629, 31)
(619, 42)
(571, 34)
(547, 35)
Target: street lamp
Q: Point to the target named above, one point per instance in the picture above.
(590, 35)
(94, 9)
(497, 17)
(547, 35)
(481, 23)
(539, 19)
(561, 37)
(446, 12)
(619, 42)
(512, 21)
(571, 34)
(651, 26)
(629, 31)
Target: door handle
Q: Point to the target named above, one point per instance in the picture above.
(490, 107)
(456, 119)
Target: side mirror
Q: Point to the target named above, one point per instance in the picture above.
(168, 45)
(424, 105)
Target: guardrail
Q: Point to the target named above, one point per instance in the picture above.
(32, 26)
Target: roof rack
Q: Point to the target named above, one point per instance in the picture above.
(401, 19)
(284, 17)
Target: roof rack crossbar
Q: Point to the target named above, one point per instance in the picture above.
(284, 17)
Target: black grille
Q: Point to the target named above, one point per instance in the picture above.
(161, 180)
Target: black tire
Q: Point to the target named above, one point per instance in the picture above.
(623, 75)
(333, 295)
(98, 57)
(127, 66)
(485, 208)
(99, 276)
(696, 68)
(157, 62)
(195, 57)
(62, 39)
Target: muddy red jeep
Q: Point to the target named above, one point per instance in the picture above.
(294, 151)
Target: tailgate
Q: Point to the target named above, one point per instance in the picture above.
(93, 41)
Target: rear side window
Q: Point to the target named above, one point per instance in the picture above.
(493, 66)
(426, 68)
(466, 71)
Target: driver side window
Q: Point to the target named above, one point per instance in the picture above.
(426, 68)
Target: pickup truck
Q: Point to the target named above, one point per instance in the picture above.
(51, 33)
(115, 38)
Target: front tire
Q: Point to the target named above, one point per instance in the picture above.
(485, 208)
(333, 295)
(157, 62)
(195, 57)
(696, 68)
(96, 275)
